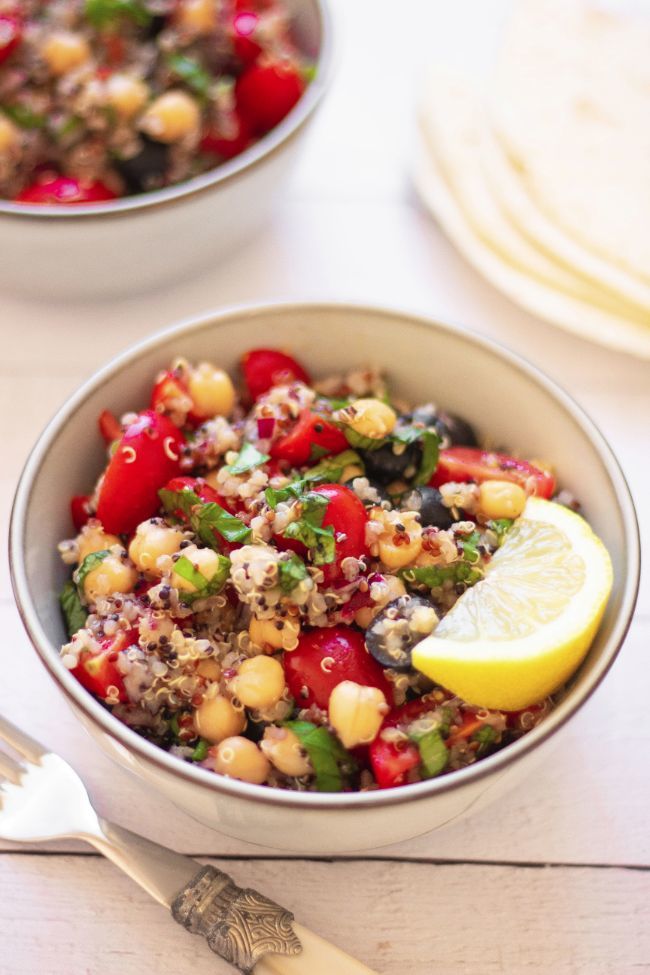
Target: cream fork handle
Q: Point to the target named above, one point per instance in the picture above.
(164, 874)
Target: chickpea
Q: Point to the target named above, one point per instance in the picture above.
(371, 418)
(356, 712)
(275, 634)
(283, 749)
(112, 575)
(216, 718)
(196, 16)
(126, 94)
(242, 759)
(401, 542)
(211, 390)
(92, 539)
(204, 560)
(64, 51)
(171, 117)
(394, 587)
(209, 669)
(500, 499)
(259, 682)
(9, 135)
(150, 542)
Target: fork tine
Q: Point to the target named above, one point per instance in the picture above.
(21, 742)
(10, 769)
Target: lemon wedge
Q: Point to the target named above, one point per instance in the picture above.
(520, 632)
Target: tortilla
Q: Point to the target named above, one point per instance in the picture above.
(570, 102)
(579, 317)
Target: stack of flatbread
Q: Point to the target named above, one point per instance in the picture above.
(541, 175)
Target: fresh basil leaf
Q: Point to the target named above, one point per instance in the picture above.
(434, 754)
(248, 458)
(433, 576)
(103, 13)
(204, 587)
(308, 529)
(74, 613)
(89, 563)
(316, 452)
(205, 517)
(192, 73)
(327, 755)
(430, 451)
(500, 527)
(291, 571)
(485, 736)
(360, 442)
(330, 469)
(24, 117)
(469, 545)
(200, 751)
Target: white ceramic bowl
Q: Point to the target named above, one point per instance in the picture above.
(140, 242)
(503, 395)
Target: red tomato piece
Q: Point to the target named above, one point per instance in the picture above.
(347, 516)
(389, 761)
(11, 34)
(79, 510)
(147, 456)
(264, 368)
(65, 190)
(98, 672)
(265, 93)
(109, 426)
(227, 143)
(343, 650)
(244, 27)
(474, 464)
(201, 488)
(310, 431)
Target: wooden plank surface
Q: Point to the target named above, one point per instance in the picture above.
(415, 918)
(350, 228)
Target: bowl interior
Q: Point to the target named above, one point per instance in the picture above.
(509, 402)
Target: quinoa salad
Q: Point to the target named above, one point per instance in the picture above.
(260, 556)
(104, 98)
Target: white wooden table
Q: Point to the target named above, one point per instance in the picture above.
(554, 879)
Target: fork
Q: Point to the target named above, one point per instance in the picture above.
(42, 798)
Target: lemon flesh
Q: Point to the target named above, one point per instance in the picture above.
(520, 632)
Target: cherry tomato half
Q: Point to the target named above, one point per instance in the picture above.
(109, 426)
(147, 456)
(474, 464)
(311, 431)
(348, 517)
(98, 672)
(11, 33)
(65, 190)
(265, 93)
(79, 510)
(264, 368)
(227, 143)
(342, 650)
(390, 762)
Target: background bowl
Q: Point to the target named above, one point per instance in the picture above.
(140, 242)
(505, 397)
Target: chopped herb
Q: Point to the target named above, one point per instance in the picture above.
(74, 612)
(200, 751)
(291, 571)
(89, 563)
(485, 736)
(433, 752)
(433, 576)
(24, 117)
(204, 587)
(247, 458)
(327, 755)
(429, 461)
(103, 13)
(469, 545)
(316, 452)
(406, 435)
(500, 527)
(309, 73)
(330, 470)
(205, 517)
(360, 442)
(308, 529)
(192, 73)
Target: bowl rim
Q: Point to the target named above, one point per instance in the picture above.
(219, 785)
(230, 171)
